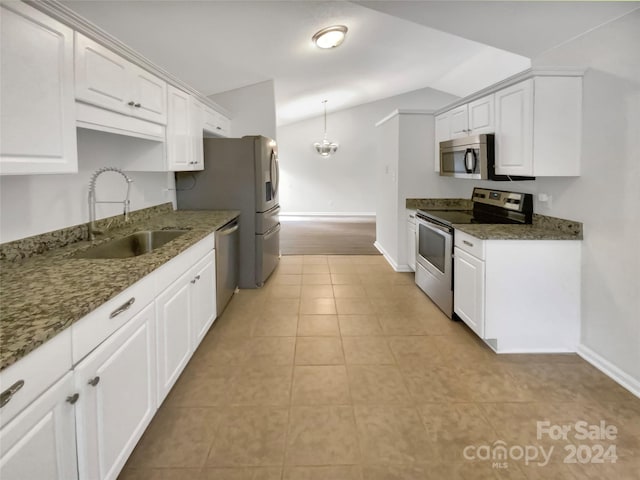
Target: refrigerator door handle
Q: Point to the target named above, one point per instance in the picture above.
(274, 168)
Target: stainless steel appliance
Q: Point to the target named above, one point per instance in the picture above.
(240, 174)
(472, 157)
(227, 246)
(434, 256)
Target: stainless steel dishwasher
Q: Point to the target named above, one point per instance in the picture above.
(227, 247)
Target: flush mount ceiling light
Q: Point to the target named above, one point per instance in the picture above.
(325, 148)
(330, 37)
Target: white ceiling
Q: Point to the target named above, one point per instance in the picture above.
(392, 46)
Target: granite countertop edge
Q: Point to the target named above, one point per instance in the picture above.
(542, 228)
(63, 289)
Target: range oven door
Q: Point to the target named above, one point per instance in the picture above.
(434, 263)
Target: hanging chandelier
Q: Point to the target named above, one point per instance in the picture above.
(325, 148)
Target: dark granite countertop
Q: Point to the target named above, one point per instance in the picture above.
(542, 228)
(44, 293)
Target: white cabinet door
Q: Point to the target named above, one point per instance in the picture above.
(442, 134)
(105, 79)
(117, 397)
(179, 142)
(203, 297)
(481, 116)
(469, 288)
(102, 77)
(459, 122)
(37, 123)
(411, 243)
(196, 127)
(173, 312)
(150, 95)
(514, 129)
(40, 443)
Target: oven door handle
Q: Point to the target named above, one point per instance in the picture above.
(433, 226)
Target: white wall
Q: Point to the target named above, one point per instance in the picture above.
(345, 182)
(34, 204)
(253, 109)
(606, 197)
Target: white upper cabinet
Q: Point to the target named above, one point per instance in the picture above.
(442, 134)
(538, 127)
(459, 122)
(216, 123)
(107, 80)
(36, 93)
(480, 116)
(196, 115)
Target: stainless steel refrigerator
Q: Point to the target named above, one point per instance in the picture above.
(240, 174)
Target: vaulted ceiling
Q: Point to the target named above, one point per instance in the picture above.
(392, 47)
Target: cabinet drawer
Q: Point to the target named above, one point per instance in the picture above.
(33, 374)
(470, 244)
(94, 328)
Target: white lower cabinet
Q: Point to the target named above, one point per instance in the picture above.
(469, 288)
(116, 383)
(127, 354)
(174, 333)
(411, 239)
(203, 298)
(519, 296)
(40, 443)
(185, 311)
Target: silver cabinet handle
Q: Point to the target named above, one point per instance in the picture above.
(94, 381)
(73, 398)
(123, 308)
(131, 103)
(8, 394)
(218, 128)
(467, 243)
(196, 278)
(137, 105)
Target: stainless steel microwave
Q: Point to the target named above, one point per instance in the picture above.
(472, 157)
(468, 157)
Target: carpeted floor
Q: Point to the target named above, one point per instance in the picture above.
(328, 236)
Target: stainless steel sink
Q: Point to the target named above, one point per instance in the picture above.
(137, 243)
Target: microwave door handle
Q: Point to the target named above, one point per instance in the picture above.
(470, 154)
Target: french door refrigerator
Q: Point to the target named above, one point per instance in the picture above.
(240, 174)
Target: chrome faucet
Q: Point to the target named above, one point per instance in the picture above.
(92, 199)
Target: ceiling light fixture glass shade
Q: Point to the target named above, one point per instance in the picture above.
(325, 148)
(330, 37)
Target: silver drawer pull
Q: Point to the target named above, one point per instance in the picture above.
(195, 279)
(94, 381)
(6, 396)
(467, 243)
(73, 398)
(123, 308)
(131, 103)
(137, 105)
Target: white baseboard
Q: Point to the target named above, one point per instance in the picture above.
(327, 214)
(391, 261)
(609, 369)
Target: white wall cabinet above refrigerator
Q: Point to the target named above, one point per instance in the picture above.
(36, 93)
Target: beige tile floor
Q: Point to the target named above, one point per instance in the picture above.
(341, 369)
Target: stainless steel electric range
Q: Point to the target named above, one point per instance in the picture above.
(435, 231)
